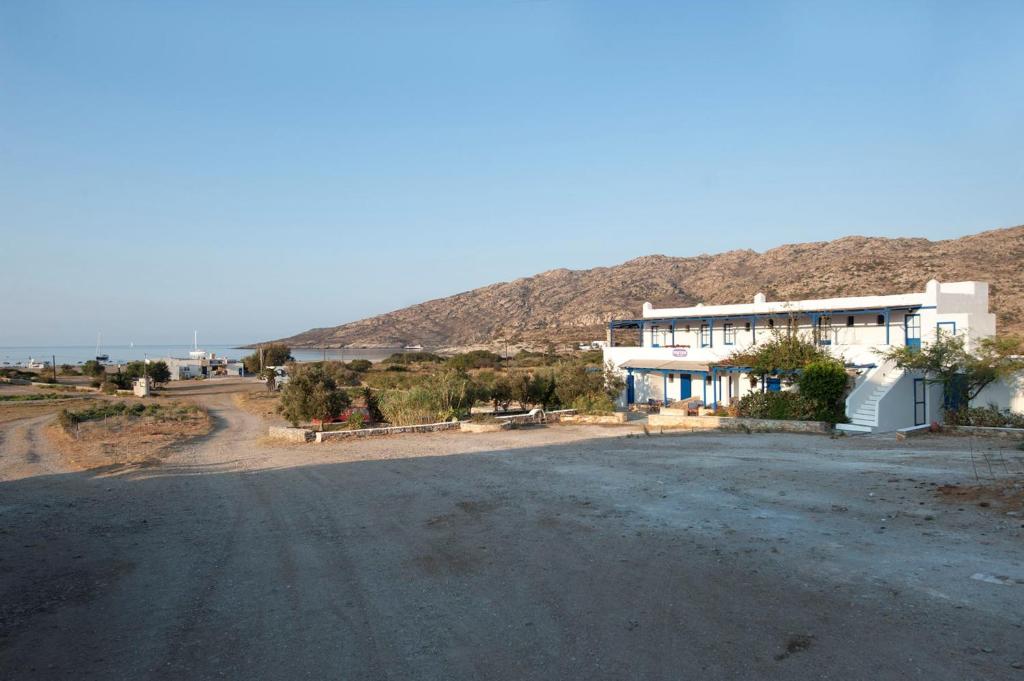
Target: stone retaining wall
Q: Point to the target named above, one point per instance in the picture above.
(493, 427)
(390, 430)
(597, 419)
(671, 420)
(290, 434)
(1009, 433)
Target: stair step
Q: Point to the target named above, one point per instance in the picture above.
(853, 427)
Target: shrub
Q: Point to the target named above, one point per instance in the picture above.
(275, 354)
(356, 421)
(360, 366)
(69, 370)
(372, 403)
(777, 405)
(311, 393)
(823, 383)
(598, 403)
(475, 359)
(408, 407)
(986, 417)
(412, 358)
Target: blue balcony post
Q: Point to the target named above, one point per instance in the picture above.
(664, 387)
(753, 329)
(673, 333)
(886, 326)
(611, 334)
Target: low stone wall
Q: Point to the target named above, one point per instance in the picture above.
(597, 419)
(390, 430)
(672, 420)
(1008, 433)
(290, 434)
(537, 416)
(470, 427)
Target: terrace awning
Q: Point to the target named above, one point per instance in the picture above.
(666, 365)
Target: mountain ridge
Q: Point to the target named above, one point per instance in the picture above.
(563, 305)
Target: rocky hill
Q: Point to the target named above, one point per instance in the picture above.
(571, 305)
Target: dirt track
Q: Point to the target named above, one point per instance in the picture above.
(559, 553)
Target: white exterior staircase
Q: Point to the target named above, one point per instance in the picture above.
(863, 402)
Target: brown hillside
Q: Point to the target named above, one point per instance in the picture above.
(569, 305)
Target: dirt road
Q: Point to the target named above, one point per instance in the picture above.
(558, 553)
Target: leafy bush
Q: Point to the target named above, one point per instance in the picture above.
(94, 368)
(111, 409)
(397, 367)
(532, 389)
(987, 417)
(355, 421)
(784, 406)
(372, 402)
(412, 358)
(598, 403)
(311, 393)
(574, 379)
(275, 354)
(475, 359)
(823, 383)
(784, 352)
(360, 366)
(69, 370)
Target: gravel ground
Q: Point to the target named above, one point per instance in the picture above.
(551, 553)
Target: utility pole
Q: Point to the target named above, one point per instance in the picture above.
(54, 358)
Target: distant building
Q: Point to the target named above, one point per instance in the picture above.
(683, 352)
(202, 364)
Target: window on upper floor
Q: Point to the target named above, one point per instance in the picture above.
(849, 320)
(705, 336)
(729, 334)
(746, 327)
(771, 323)
(881, 320)
(687, 328)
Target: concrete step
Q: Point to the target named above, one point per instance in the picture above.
(853, 428)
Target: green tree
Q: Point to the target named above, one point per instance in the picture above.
(311, 393)
(159, 372)
(963, 373)
(94, 369)
(275, 354)
(785, 352)
(360, 366)
(823, 383)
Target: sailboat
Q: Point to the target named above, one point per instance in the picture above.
(104, 357)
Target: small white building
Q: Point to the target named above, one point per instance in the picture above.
(683, 351)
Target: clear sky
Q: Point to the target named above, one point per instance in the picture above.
(255, 169)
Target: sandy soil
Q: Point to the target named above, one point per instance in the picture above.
(568, 552)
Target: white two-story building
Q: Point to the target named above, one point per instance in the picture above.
(684, 352)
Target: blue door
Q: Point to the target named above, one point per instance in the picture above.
(774, 385)
(630, 391)
(684, 386)
(920, 411)
(912, 327)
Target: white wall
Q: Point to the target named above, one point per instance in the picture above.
(1004, 394)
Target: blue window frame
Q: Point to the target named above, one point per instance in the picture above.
(947, 328)
(912, 330)
(729, 334)
(705, 336)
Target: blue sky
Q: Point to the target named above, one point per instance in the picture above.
(255, 169)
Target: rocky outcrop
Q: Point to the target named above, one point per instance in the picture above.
(572, 305)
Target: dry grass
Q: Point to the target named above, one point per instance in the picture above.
(260, 403)
(1002, 495)
(128, 440)
(12, 411)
